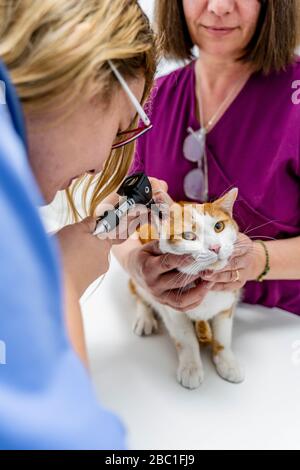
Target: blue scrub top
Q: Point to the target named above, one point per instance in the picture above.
(46, 397)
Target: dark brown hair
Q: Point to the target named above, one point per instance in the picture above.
(271, 48)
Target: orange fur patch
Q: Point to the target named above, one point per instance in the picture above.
(134, 292)
(228, 313)
(132, 287)
(214, 210)
(147, 233)
(216, 347)
(203, 332)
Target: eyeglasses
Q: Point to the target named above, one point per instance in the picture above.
(131, 135)
(196, 181)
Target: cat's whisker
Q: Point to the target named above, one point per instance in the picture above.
(181, 290)
(245, 231)
(164, 259)
(186, 277)
(245, 244)
(241, 245)
(180, 276)
(260, 226)
(254, 237)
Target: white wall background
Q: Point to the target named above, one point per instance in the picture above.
(164, 67)
(148, 6)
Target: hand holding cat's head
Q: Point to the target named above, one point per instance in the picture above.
(206, 231)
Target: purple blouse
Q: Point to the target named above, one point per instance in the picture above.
(255, 146)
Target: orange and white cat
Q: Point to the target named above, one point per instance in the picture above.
(208, 233)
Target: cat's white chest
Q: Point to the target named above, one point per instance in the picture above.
(213, 304)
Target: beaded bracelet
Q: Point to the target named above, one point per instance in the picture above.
(267, 266)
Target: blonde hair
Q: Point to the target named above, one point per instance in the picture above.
(57, 51)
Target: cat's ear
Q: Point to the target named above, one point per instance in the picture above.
(226, 202)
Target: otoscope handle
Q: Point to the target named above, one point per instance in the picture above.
(137, 190)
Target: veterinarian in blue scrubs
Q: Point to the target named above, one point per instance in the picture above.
(46, 397)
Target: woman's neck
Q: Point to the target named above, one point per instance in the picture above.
(218, 82)
(217, 73)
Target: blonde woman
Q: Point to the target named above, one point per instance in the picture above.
(62, 58)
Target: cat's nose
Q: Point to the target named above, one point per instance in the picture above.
(215, 248)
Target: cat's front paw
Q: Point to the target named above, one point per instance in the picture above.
(190, 375)
(228, 367)
(145, 325)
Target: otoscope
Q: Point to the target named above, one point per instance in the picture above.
(136, 189)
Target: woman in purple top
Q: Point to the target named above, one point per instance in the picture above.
(250, 111)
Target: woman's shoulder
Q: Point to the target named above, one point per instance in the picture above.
(171, 80)
(294, 68)
(283, 78)
(292, 71)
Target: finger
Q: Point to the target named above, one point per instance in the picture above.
(228, 276)
(188, 308)
(184, 300)
(227, 286)
(158, 184)
(242, 246)
(153, 248)
(89, 224)
(128, 224)
(196, 304)
(225, 276)
(168, 262)
(175, 280)
(110, 200)
(234, 263)
(107, 204)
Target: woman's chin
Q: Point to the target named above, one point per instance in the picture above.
(222, 50)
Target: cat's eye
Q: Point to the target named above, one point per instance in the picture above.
(190, 236)
(219, 227)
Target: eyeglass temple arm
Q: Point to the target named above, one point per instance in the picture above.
(131, 96)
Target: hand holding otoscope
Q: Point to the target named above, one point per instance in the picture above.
(136, 189)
